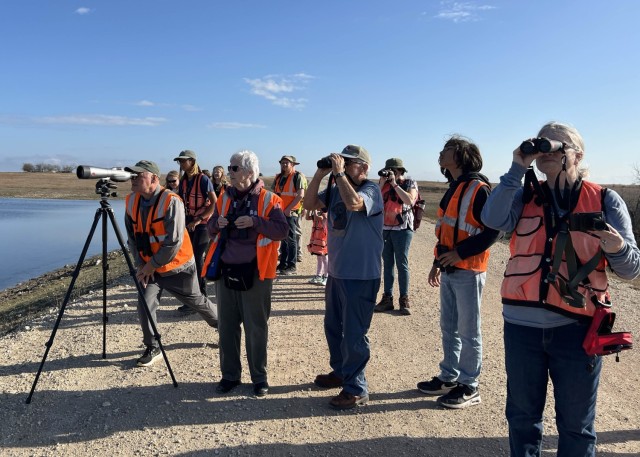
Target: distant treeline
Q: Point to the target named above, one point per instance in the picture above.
(47, 168)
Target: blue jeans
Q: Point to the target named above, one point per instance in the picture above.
(289, 246)
(396, 251)
(460, 299)
(531, 356)
(349, 309)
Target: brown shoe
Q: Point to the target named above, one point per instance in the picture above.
(328, 381)
(345, 400)
(405, 306)
(385, 304)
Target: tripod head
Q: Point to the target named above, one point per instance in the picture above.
(104, 187)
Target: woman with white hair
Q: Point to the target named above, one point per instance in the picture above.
(246, 225)
(566, 230)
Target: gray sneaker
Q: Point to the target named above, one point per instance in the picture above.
(151, 354)
(436, 386)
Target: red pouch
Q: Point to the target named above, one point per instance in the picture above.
(600, 340)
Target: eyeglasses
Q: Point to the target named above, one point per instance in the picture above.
(233, 168)
(172, 181)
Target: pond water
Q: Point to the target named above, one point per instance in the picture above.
(40, 235)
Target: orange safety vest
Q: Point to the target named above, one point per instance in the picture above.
(195, 203)
(154, 228)
(288, 192)
(466, 223)
(318, 242)
(267, 249)
(525, 280)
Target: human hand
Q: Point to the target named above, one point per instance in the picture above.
(610, 240)
(223, 222)
(145, 274)
(524, 159)
(449, 258)
(434, 276)
(243, 222)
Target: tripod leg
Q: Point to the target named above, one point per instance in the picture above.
(105, 267)
(140, 289)
(49, 343)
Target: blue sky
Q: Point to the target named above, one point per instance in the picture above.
(109, 82)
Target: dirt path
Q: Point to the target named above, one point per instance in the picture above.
(86, 405)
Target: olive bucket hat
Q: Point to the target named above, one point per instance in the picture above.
(395, 163)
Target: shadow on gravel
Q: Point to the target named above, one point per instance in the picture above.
(74, 416)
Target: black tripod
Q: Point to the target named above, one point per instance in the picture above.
(103, 187)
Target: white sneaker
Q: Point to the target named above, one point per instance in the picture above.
(315, 280)
(323, 281)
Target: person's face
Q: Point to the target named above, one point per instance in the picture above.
(172, 182)
(354, 168)
(239, 177)
(186, 164)
(550, 163)
(144, 183)
(447, 158)
(217, 173)
(286, 166)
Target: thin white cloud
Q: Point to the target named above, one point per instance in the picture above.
(144, 103)
(274, 88)
(190, 108)
(88, 119)
(234, 125)
(83, 11)
(462, 11)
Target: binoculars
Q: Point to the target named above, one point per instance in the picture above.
(536, 145)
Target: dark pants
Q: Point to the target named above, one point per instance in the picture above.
(289, 246)
(200, 244)
(251, 309)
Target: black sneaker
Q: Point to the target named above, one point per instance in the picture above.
(460, 397)
(436, 386)
(151, 354)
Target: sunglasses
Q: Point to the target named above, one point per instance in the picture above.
(233, 168)
(172, 181)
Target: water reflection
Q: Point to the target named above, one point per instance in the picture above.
(40, 235)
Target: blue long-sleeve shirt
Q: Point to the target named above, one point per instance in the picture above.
(502, 212)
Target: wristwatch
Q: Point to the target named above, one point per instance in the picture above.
(339, 175)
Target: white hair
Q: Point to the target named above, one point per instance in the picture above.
(568, 135)
(248, 161)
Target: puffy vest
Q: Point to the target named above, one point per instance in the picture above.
(318, 243)
(195, 204)
(532, 253)
(288, 192)
(267, 249)
(154, 227)
(459, 213)
(395, 211)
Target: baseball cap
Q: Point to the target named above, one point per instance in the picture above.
(291, 159)
(186, 154)
(144, 165)
(353, 151)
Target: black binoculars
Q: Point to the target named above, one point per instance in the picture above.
(325, 162)
(385, 173)
(536, 145)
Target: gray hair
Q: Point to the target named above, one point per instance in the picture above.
(568, 135)
(248, 161)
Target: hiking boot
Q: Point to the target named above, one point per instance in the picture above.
(226, 385)
(184, 310)
(436, 386)
(328, 381)
(385, 304)
(345, 400)
(460, 397)
(151, 354)
(404, 305)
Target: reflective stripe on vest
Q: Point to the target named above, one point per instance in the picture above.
(524, 281)
(318, 242)
(468, 226)
(266, 248)
(288, 192)
(155, 229)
